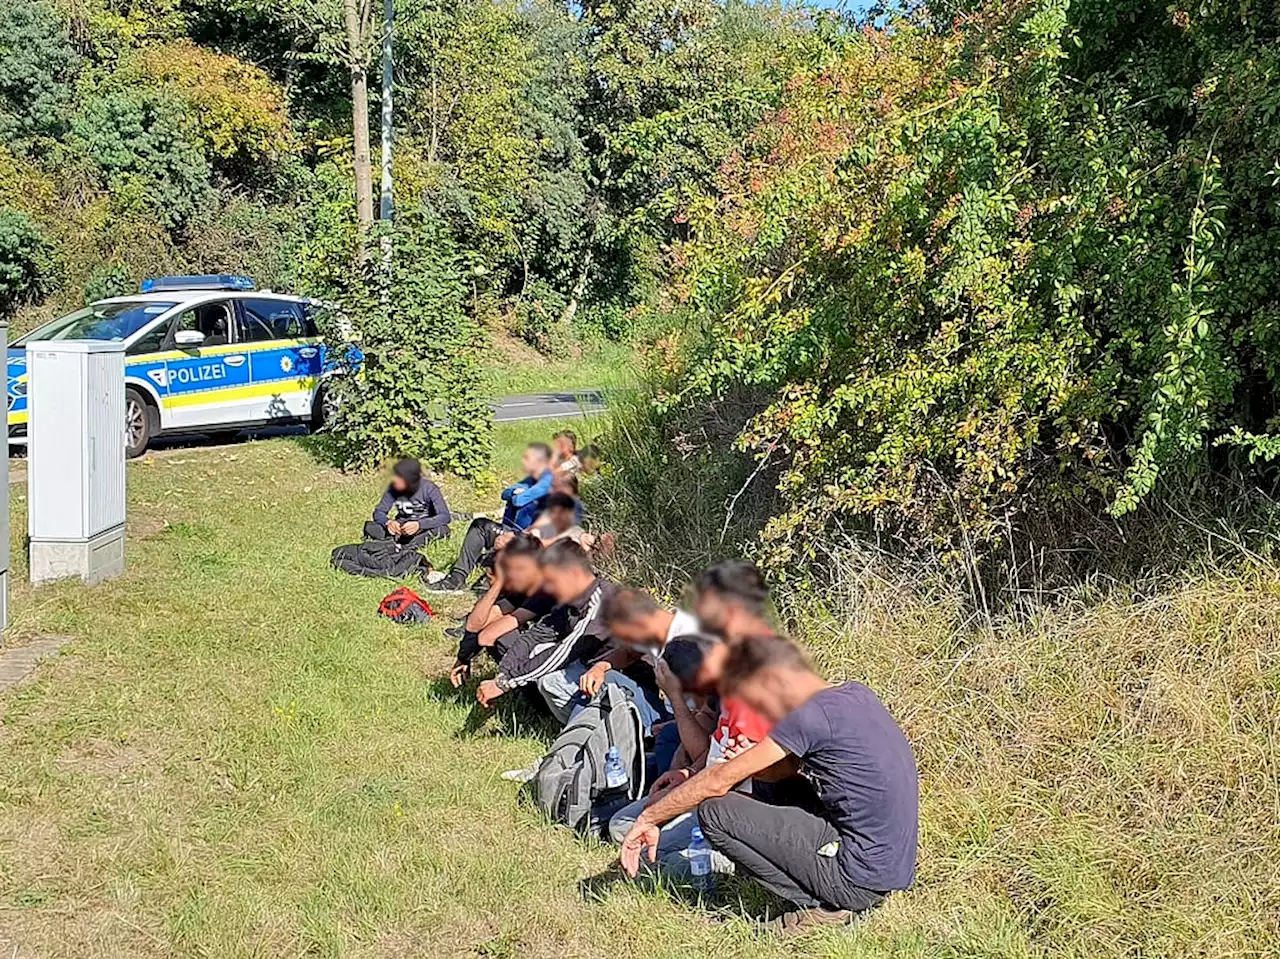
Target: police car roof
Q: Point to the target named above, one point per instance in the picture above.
(191, 296)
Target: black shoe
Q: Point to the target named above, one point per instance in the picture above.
(482, 585)
(453, 583)
(454, 633)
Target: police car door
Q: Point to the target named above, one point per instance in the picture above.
(206, 383)
(284, 357)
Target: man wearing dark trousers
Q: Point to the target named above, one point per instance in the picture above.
(832, 866)
(421, 513)
(525, 501)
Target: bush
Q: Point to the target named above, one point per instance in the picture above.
(24, 260)
(975, 272)
(420, 391)
(37, 72)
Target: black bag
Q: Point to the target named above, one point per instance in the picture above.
(570, 783)
(380, 558)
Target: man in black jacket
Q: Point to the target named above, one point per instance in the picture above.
(421, 514)
(573, 632)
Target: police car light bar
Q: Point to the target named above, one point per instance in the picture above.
(207, 281)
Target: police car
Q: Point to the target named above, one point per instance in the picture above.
(203, 354)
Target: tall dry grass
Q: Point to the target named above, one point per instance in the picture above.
(1100, 760)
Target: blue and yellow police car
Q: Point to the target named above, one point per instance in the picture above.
(203, 354)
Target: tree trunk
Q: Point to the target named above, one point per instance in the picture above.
(359, 115)
(579, 288)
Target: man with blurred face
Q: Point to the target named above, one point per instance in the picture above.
(420, 512)
(572, 632)
(832, 866)
(515, 598)
(524, 500)
(732, 601)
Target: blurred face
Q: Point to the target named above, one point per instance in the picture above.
(565, 583)
(533, 462)
(521, 573)
(561, 518)
(398, 484)
(712, 611)
(563, 447)
(637, 633)
(711, 670)
(763, 692)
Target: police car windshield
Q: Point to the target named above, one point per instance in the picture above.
(101, 321)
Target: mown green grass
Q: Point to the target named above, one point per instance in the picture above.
(236, 757)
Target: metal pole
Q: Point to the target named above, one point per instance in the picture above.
(388, 32)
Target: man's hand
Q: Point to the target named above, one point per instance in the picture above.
(503, 540)
(593, 678)
(410, 528)
(489, 691)
(667, 680)
(393, 527)
(643, 835)
(667, 782)
(736, 746)
(460, 674)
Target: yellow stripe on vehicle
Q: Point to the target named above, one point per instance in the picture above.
(17, 419)
(252, 391)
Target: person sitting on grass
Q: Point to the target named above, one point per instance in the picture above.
(524, 500)
(712, 731)
(565, 457)
(421, 514)
(547, 652)
(515, 598)
(559, 521)
(832, 866)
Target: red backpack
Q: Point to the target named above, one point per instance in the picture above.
(403, 605)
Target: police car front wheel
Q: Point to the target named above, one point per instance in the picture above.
(137, 423)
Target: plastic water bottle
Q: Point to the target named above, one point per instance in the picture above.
(615, 776)
(704, 880)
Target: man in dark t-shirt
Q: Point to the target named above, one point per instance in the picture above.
(861, 847)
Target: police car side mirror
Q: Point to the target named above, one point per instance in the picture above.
(187, 338)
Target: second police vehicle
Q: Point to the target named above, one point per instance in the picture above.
(203, 354)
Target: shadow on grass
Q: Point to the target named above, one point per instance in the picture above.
(515, 715)
(733, 898)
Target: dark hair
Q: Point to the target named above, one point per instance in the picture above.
(755, 653)
(561, 501)
(523, 545)
(590, 451)
(409, 470)
(566, 554)
(567, 435)
(685, 654)
(542, 449)
(738, 580)
(628, 605)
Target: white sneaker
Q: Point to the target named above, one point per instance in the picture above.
(435, 576)
(522, 775)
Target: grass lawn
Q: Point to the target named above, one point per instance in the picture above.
(235, 757)
(515, 368)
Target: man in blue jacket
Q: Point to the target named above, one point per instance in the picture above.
(525, 501)
(420, 512)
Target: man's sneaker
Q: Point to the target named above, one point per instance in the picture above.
(455, 633)
(804, 921)
(453, 583)
(522, 776)
(435, 576)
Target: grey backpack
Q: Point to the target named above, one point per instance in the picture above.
(570, 784)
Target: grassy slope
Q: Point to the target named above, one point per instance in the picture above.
(235, 757)
(515, 367)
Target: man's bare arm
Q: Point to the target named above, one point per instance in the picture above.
(714, 781)
(499, 627)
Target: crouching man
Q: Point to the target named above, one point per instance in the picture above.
(831, 866)
(420, 512)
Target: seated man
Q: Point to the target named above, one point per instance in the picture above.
(831, 866)
(515, 598)
(641, 627)
(524, 502)
(559, 521)
(565, 456)
(714, 732)
(421, 513)
(570, 634)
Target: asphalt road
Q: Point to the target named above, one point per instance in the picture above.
(531, 406)
(545, 406)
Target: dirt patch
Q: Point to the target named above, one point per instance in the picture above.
(102, 757)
